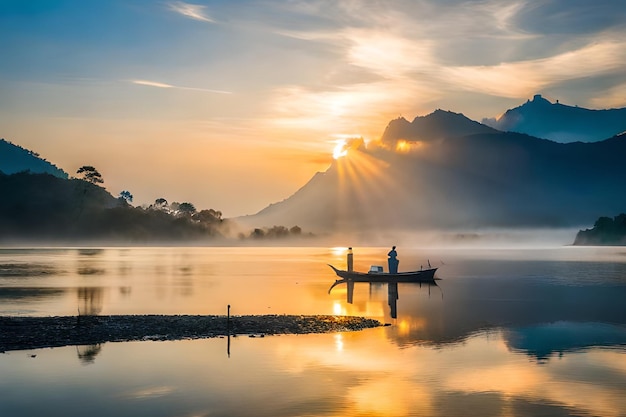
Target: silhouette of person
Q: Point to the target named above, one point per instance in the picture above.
(350, 260)
(393, 261)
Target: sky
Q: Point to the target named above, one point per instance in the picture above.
(234, 105)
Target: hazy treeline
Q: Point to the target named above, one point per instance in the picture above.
(49, 208)
(275, 232)
(605, 231)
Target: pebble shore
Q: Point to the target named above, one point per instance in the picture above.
(20, 333)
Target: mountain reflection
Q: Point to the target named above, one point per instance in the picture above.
(546, 340)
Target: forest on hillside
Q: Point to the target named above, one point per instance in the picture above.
(43, 207)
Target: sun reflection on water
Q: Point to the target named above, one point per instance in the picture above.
(338, 309)
(339, 342)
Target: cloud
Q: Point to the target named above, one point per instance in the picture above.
(570, 17)
(408, 69)
(192, 11)
(614, 97)
(523, 78)
(164, 85)
(152, 83)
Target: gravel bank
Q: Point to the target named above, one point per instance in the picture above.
(18, 333)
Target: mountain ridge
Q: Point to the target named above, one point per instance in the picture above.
(561, 123)
(436, 125)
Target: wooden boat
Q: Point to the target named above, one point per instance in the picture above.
(423, 275)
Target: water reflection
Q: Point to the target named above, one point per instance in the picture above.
(392, 291)
(87, 353)
(8, 294)
(554, 339)
(482, 303)
(87, 270)
(89, 262)
(517, 334)
(90, 301)
(26, 270)
(90, 252)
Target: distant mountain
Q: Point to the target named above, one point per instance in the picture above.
(560, 123)
(478, 180)
(437, 125)
(14, 158)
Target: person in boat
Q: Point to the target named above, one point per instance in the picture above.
(350, 260)
(393, 261)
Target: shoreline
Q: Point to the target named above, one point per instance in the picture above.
(24, 333)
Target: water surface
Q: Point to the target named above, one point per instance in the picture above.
(518, 332)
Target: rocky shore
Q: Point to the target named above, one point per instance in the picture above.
(17, 333)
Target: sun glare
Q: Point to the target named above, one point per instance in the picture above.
(347, 142)
(340, 149)
(405, 146)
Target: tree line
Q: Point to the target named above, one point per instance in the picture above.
(42, 206)
(605, 231)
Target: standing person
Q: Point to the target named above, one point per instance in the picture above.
(393, 261)
(350, 260)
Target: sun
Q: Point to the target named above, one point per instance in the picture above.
(345, 143)
(340, 149)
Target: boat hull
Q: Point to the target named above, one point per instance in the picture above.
(425, 275)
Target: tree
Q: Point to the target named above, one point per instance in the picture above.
(603, 223)
(90, 174)
(277, 232)
(186, 209)
(126, 196)
(208, 216)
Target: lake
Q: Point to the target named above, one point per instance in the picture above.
(505, 332)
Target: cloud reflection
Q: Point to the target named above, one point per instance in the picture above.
(151, 392)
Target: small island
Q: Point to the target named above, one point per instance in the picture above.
(19, 333)
(605, 232)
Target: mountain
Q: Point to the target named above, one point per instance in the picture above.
(561, 123)
(437, 125)
(497, 179)
(14, 158)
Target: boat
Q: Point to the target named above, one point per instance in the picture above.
(376, 274)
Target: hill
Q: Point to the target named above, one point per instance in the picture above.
(42, 207)
(561, 123)
(605, 231)
(14, 158)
